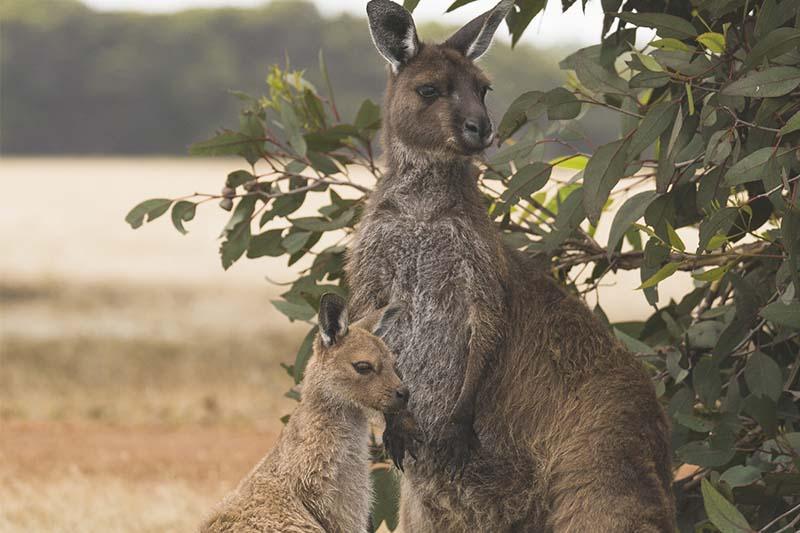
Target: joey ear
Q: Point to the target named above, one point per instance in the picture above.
(333, 321)
(393, 32)
(474, 38)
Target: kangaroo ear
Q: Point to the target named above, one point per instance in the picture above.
(474, 38)
(332, 319)
(389, 317)
(380, 319)
(393, 32)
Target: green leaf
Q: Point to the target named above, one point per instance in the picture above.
(303, 355)
(295, 310)
(763, 410)
(235, 244)
(702, 454)
(527, 181)
(519, 20)
(748, 168)
(670, 43)
(632, 210)
(673, 364)
(183, 211)
(323, 68)
(267, 243)
(654, 123)
(667, 26)
(714, 42)
(649, 79)
(706, 379)
(322, 163)
(695, 423)
(787, 315)
(282, 206)
(633, 344)
(597, 78)
(763, 376)
(321, 224)
(516, 115)
(512, 152)
(151, 209)
(793, 124)
(226, 143)
(771, 82)
(314, 106)
(721, 512)
(575, 162)
(675, 239)
(385, 505)
(569, 216)
(602, 173)
(453, 6)
(648, 62)
(294, 242)
(368, 116)
(704, 334)
(718, 223)
(663, 273)
(291, 126)
(740, 476)
(561, 104)
(244, 210)
(238, 177)
(410, 5)
(711, 275)
(775, 43)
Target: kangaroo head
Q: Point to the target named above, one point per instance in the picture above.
(351, 364)
(435, 96)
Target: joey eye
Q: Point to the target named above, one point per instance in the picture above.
(363, 367)
(485, 90)
(427, 91)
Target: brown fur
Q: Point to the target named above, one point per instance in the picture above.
(316, 478)
(556, 423)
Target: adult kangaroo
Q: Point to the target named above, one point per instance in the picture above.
(535, 418)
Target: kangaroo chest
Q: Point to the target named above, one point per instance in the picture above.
(442, 268)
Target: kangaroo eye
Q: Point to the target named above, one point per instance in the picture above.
(362, 367)
(485, 90)
(427, 91)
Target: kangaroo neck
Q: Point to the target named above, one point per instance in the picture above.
(427, 175)
(337, 419)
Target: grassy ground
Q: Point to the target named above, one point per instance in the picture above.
(133, 408)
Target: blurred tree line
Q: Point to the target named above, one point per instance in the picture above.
(79, 81)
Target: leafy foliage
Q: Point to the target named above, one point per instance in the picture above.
(708, 146)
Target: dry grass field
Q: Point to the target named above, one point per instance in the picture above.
(133, 409)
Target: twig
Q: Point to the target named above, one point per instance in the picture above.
(781, 517)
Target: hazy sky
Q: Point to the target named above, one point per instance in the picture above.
(553, 28)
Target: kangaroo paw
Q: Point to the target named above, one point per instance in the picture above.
(456, 446)
(400, 436)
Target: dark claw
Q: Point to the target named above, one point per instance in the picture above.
(400, 436)
(456, 446)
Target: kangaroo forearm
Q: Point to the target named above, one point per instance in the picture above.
(464, 409)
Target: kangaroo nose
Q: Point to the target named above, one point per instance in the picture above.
(478, 131)
(402, 394)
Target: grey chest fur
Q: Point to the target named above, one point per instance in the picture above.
(440, 267)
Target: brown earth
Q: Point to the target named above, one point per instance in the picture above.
(91, 476)
(204, 456)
